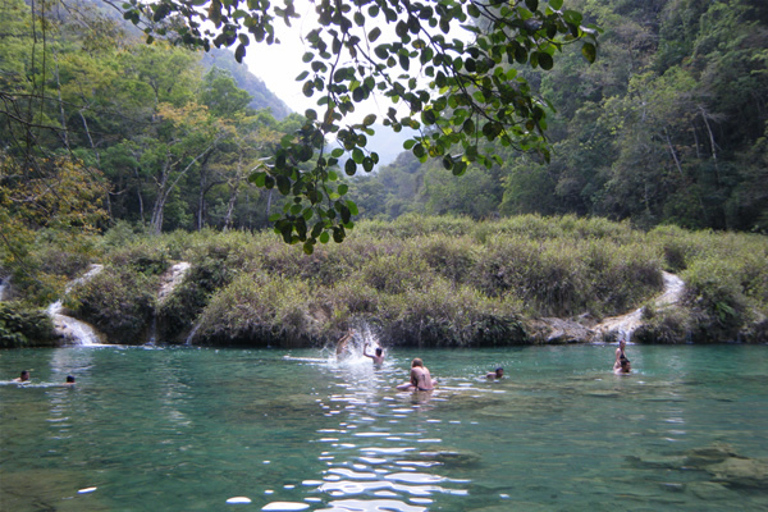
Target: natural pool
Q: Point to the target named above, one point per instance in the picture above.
(187, 429)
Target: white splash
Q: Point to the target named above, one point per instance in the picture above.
(354, 350)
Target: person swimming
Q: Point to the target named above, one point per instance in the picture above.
(342, 346)
(377, 356)
(498, 373)
(421, 380)
(624, 367)
(620, 354)
(23, 377)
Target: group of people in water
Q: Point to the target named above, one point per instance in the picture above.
(421, 379)
(24, 377)
(622, 365)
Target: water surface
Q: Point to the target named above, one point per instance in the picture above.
(187, 429)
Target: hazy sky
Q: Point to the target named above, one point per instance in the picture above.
(278, 65)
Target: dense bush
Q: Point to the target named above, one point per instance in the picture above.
(428, 281)
(118, 301)
(22, 326)
(259, 310)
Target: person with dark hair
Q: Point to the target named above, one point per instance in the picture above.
(70, 380)
(421, 380)
(624, 367)
(620, 354)
(377, 356)
(498, 373)
(23, 377)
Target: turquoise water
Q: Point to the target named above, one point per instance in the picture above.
(184, 429)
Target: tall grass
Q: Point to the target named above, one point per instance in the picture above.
(429, 281)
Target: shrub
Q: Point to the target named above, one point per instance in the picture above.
(445, 316)
(24, 326)
(118, 301)
(714, 294)
(259, 310)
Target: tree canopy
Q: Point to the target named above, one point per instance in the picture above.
(455, 65)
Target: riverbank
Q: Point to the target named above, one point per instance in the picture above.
(431, 282)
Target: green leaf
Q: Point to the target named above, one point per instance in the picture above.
(283, 184)
(459, 168)
(350, 167)
(589, 52)
(545, 61)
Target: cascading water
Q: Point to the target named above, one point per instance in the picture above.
(72, 329)
(625, 325)
(3, 287)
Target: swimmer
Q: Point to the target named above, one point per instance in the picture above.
(377, 356)
(24, 377)
(496, 374)
(620, 354)
(421, 380)
(341, 345)
(624, 367)
(70, 380)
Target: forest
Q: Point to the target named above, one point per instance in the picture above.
(667, 127)
(102, 132)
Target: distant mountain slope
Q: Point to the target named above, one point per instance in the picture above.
(262, 97)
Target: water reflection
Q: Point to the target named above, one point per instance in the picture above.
(193, 428)
(373, 456)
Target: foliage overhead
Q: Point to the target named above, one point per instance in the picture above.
(457, 90)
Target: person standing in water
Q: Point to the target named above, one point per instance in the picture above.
(377, 356)
(421, 380)
(620, 354)
(624, 369)
(342, 344)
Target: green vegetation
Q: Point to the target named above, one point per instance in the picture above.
(427, 281)
(24, 326)
(137, 156)
(669, 126)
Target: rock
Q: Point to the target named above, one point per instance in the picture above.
(709, 491)
(558, 331)
(741, 472)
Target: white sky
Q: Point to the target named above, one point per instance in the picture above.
(278, 65)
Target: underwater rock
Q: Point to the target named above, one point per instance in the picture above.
(741, 472)
(709, 491)
(451, 458)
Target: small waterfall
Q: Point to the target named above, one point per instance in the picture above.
(192, 333)
(72, 329)
(625, 325)
(3, 287)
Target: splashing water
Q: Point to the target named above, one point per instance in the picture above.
(354, 352)
(72, 329)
